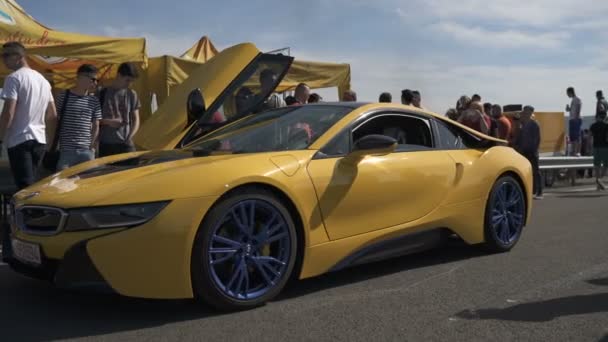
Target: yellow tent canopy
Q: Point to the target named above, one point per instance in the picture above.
(177, 77)
(17, 25)
(168, 124)
(201, 51)
(317, 75)
(166, 72)
(73, 49)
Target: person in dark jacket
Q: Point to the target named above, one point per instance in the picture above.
(527, 144)
(599, 131)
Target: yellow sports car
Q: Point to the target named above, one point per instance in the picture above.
(294, 192)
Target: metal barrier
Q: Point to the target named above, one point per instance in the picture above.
(559, 163)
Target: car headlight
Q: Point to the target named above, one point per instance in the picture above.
(128, 215)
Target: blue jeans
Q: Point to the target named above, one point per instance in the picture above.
(71, 158)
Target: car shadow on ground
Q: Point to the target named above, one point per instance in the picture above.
(546, 310)
(36, 311)
(454, 250)
(31, 310)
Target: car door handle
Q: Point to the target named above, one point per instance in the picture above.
(459, 173)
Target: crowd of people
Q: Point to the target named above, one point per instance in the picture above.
(523, 133)
(519, 131)
(88, 121)
(592, 140)
(46, 132)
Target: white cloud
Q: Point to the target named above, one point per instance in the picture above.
(442, 82)
(510, 23)
(538, 13)
(501, 39)
(589, 25)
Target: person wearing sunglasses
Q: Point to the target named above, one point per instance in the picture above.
(79, 114)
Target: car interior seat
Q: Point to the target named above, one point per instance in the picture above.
(396, 133)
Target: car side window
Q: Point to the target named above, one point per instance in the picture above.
(448, 137)
(411, 132)
(338, 146)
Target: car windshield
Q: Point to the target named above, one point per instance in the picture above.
(284, 129)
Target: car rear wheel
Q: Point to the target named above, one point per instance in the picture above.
(505, 215)
(244, 251)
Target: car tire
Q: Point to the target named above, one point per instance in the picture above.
(505, 215)
(218, 278)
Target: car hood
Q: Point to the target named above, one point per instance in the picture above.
(154, 176)
(113, 180)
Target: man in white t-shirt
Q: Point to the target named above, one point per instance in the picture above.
(28, 109)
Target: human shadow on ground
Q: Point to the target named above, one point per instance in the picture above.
(598, 282)
(542, 311)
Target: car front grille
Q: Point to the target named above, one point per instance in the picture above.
(40, 220)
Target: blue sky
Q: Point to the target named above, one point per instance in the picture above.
(509, 51)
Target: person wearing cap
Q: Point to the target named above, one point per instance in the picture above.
(28, 117)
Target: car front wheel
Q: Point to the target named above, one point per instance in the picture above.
(244, 251)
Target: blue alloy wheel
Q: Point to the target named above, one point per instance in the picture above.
(249, 250)
(508, 213)
(505, 215)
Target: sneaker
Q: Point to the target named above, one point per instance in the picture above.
(539, 197)
(600, 185)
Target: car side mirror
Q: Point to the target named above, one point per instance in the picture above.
(195, 106)
(373, 144)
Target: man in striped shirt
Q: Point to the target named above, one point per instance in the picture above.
(79, 120)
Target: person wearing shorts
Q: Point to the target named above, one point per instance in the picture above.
(575, 123)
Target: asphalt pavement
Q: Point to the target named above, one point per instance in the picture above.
(552, 287)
